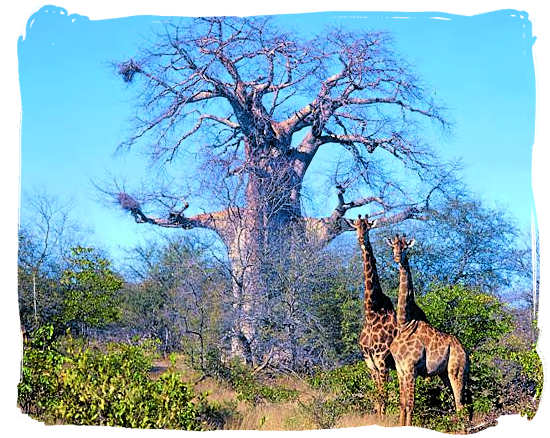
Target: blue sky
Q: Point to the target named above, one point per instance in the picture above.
(76, 110)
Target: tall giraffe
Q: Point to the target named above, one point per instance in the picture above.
(379, 326)
(420, 349)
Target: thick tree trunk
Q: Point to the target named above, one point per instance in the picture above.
(253, 265)
(257, 239)
(247, 285)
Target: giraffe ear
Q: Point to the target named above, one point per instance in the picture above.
(411, 243)
(388, 241)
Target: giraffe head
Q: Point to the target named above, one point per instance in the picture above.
(399, 246)
(362, 227)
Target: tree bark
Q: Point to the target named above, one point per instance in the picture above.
(256, 238)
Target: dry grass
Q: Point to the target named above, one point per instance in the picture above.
(289, 415)
(265, 415)
(357, 420)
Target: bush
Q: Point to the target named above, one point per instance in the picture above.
(530, 380)
(354, 390)
(114, 389)
(352, 385)
(435, 407)
(250, 389)
(39, 388)
(90, 290)
(86, 386)
(336, 310)
(324, 412)
(474, 317)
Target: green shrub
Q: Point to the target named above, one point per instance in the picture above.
(115, 389)
(354, 390)
(531, 366)
(39, 388)
(351, 384)
(531, 379)
(324, 412)
(250, 389)
(90, 290)
(336, 309)
(474, 317)
(435, 407)
(86, 386)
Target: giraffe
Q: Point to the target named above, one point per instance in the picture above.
(418, 348)
(379, 326)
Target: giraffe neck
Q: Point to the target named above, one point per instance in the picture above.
(406, 293)
(373, 291)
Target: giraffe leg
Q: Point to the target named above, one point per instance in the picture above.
(402, 398)
(409, 397)
(447, 381)
(382, 391)
(380, 380)
(456, 370)
(403, 391)
(456, 377)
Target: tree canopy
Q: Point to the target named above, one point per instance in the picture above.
(257, 103)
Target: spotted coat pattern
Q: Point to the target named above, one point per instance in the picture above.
(418, 348)
(380, 326)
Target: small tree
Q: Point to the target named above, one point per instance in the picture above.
(466, 243)
(90, 290)
(472, 316)
(46, 234)
(177, 295)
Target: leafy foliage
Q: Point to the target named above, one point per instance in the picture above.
(338, 310)
(530, 379)
(352, 384)
(474, 317)
(324, 412)
(251, 390)
(86, 386)
(90, 290)
(39, 388)
(531, 366)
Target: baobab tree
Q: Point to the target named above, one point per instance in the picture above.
(256, 105)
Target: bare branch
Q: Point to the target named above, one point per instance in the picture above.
(175, 219)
